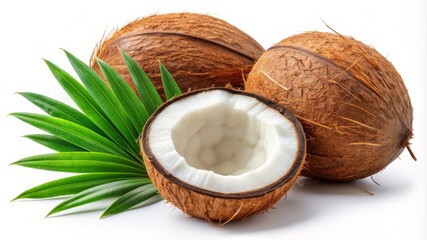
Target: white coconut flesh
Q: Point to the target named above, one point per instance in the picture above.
(223, 142)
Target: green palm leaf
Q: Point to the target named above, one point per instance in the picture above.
(71, 132)
(135, 109)
(100, 141)
(89, 106)
(82, 162)
(73, 185)
(100, 192)
(106, 99)
(54, 143)
(170, 86)
(141, 196)
(146, 90)
(58, 109)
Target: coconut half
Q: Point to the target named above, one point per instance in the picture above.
(221, 154)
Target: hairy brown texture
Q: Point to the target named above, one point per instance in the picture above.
(217, 206)
(353, 104)
(200, 51)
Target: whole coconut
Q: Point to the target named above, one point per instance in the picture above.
(199, 51)
(353, 104)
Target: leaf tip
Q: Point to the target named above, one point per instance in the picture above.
(160, 63)
(14, 163)
(65, 51)
(128, 59)
(48, 63)
(53, 211)
(104, 215)
(12, 114)
(16, 198)
(100, 62)
(121, 50)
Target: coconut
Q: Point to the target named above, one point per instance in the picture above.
(221, 154)
(353, 104)
(200, 51)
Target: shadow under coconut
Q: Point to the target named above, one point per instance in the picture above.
(369, 186)
(293, 209)
(310, 198)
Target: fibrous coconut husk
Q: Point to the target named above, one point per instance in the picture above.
(199, 51)
(353, 104)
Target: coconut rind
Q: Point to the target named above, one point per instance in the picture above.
(214, 208)
(352, 103)
(221, 207)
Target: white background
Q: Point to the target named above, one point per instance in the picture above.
(31, 30)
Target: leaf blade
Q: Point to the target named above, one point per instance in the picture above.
(169, 84)
(136, 110)
(54, 143)
(106, 99)
(145, 88)
(113, 189)
(73, 133)
(135, 197)
(81, 162)
(89, 106)
(72, 185)
(61, 110)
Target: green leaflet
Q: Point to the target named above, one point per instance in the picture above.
(99, 142)
(90, 107)
(82, 162)
(71, 132)
(146, 90)
(134, 107)
(108, 190)
(60, 110)
(73, 185)
(141, 196)
(54, 143)
(106, 99)
(169, 84)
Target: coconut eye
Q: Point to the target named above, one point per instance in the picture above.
(222, 154)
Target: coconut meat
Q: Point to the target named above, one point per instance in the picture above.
(223, 142)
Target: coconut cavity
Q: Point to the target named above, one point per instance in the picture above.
(221, 154)
(221, 139)
(224, 142)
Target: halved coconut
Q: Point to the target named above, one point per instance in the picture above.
(221, 154)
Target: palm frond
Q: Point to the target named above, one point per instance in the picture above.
(99, 141)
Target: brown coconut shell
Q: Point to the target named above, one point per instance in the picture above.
(352, 102)
(199, 51)
(216, 206)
